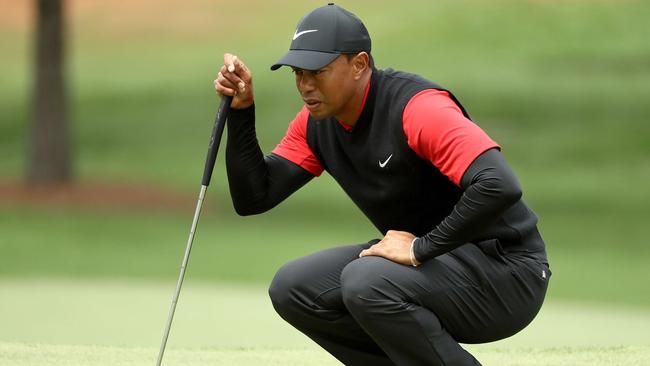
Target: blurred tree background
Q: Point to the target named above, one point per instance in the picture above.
(562, 86)
(49, 160)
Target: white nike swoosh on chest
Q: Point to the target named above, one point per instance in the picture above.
(381, 165)
(298, 34)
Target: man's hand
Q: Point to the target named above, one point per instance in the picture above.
(235, 79)
(395, 246)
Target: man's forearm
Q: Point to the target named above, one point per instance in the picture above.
(257, 183)
(244, 161)
(492, 188)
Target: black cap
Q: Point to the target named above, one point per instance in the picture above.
(322, 35)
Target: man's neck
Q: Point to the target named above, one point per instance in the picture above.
(353, 113)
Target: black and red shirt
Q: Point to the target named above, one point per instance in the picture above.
(434, 126)
(414, 161)
(403, 161)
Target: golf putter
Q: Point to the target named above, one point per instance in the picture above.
(215, 140)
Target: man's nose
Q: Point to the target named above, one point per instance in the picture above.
(306, 83)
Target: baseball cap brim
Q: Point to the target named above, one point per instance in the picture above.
(306, 60)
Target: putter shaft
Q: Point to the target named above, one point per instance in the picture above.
(186, 257)
(213, 148)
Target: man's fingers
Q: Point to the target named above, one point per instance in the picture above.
(223, 86)
(366, 252)
(241, 70)
(234, 79)
(373, 250)
(231, 80)
(228, 61)
(240, 67)
(226, 91)
(231, 65)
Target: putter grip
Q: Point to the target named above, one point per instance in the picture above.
(215, 138)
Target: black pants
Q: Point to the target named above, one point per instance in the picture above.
(373, 312)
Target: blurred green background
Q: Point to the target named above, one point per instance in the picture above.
(564, 87)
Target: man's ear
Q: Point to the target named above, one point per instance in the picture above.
(360, 64)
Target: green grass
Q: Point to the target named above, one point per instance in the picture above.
(19, 354)
(229, 315)
(148, 245)
(120, 323)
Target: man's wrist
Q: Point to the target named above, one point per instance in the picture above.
(414, 261)
(241, 118)
(243, 105)
(248, 108)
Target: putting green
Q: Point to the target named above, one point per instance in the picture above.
(132, 314)
(19, 354)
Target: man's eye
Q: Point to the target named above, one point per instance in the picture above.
(297, 71)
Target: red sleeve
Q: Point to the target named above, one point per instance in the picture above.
(437, 130)
(294, 148)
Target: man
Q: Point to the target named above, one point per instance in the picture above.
(461, 259)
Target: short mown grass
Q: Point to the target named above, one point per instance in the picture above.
(24, 354)
(99, 322)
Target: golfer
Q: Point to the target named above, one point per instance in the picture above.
(460, 260)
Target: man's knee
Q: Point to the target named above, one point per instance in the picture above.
(365, 282)
(284, 281)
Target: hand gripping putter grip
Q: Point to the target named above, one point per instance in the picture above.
(215, 140)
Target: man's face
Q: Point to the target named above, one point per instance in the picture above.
(327, 92)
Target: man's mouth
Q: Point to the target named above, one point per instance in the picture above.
(312, 103)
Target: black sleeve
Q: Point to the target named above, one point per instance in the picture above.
(257, 183)
(490, 189)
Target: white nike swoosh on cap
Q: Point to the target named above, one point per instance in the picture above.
(298, 34)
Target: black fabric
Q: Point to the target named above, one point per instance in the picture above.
(257, 183)
(408, 193)
(489, 208)
(372, 311)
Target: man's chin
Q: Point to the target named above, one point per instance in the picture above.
(319, 114)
